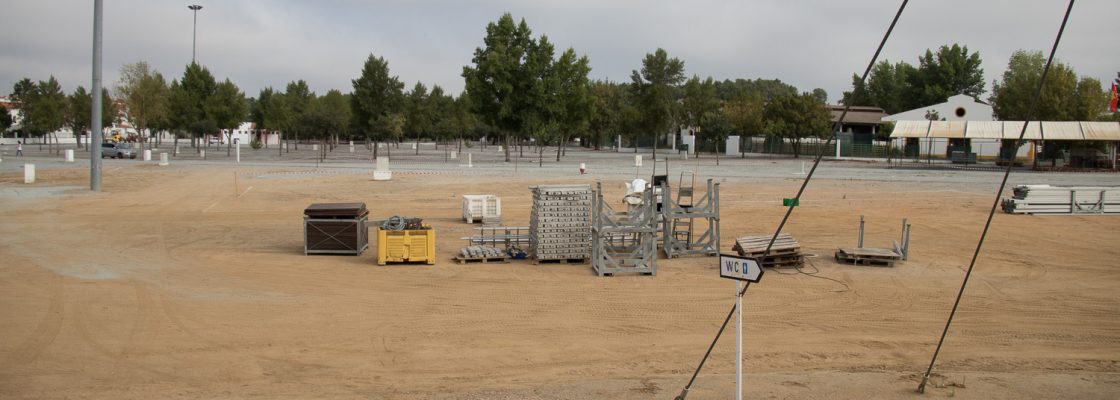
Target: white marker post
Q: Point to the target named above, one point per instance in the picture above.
(740, 269)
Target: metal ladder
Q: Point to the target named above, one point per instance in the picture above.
(682, 229)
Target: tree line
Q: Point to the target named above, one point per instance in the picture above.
(952, 70)
(518, 90)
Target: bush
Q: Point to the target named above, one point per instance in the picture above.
(255, 144)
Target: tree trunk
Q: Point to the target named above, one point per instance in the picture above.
(417, 143)
(507, 146)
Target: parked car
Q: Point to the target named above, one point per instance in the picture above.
(117, 150)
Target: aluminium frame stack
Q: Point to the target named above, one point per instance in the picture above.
(1047, 199)
(674, 214)
(560, 223)
(624, 242)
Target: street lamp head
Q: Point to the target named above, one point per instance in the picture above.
(195, 7)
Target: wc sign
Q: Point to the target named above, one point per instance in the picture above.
(739, 268)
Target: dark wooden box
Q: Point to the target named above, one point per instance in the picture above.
(335, 228)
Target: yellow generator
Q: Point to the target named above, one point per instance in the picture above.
(407, 245)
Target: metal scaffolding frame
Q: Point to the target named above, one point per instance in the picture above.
(624, 242)
(674, 215)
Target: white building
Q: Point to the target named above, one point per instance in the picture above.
(961, 107)
(953, 112)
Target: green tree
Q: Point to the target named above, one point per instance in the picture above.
(5, 120)
(335, 108)
(606, 112)
(418, 117)
(442, 112)
(227, 108)
(699, 102)
(22, 90)
(717, 127)
(376, 98)
(1063, 98)
(796, 118)
(496, 80)
(187, 101)
(541, 85)
(145, 93)
(745, 115)
(573, 95)
(465, 120)
(298, 98)
(765, 89)
(898, 87)
(79, 110)
(49, 104)
(655, 89)
(950, 71)
(820, 95)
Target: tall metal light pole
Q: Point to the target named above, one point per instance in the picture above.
(95, 115)
(194, 35)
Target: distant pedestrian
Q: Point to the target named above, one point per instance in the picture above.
(19, 148)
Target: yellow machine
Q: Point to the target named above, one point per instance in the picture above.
(408, 245)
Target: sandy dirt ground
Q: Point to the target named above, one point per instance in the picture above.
(176, 282)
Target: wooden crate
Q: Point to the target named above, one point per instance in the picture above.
(335, 228)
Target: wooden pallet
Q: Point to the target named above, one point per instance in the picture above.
(867, 256)
(481, 260)
(561, 261)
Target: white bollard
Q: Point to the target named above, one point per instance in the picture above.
(414, 146)
(176, 148)
(469, 165)
(148, 155)
(163, 159)
(237, 151)
(202, 153)
(454, 155)
(351, 147)
(582, 168)
(69, 155)
(315, 147)
(638, 160)
(382, 173)
(499, 148)
(28, 173)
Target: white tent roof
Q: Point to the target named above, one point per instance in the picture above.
(1101, 130)
(946, 129)
(984, 130)
(910, 129)
(1046, 130)
(1012, 129)
(1054, 130)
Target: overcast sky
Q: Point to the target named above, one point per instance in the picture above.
(808, 44)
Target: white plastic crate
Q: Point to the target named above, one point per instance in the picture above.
(477, 207)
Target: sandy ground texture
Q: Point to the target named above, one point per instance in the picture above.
(190, 281)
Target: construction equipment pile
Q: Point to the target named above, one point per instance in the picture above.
(560, 223)
(482, 252)
(1047, 199)
(786, 252)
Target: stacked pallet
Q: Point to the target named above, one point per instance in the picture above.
(481, 254)
(560, 223)
(868, 256)
(786, 252)
(1047, 199)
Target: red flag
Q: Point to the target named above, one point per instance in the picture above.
(1112, 102)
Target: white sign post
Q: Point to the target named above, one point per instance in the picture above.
(740, 269)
